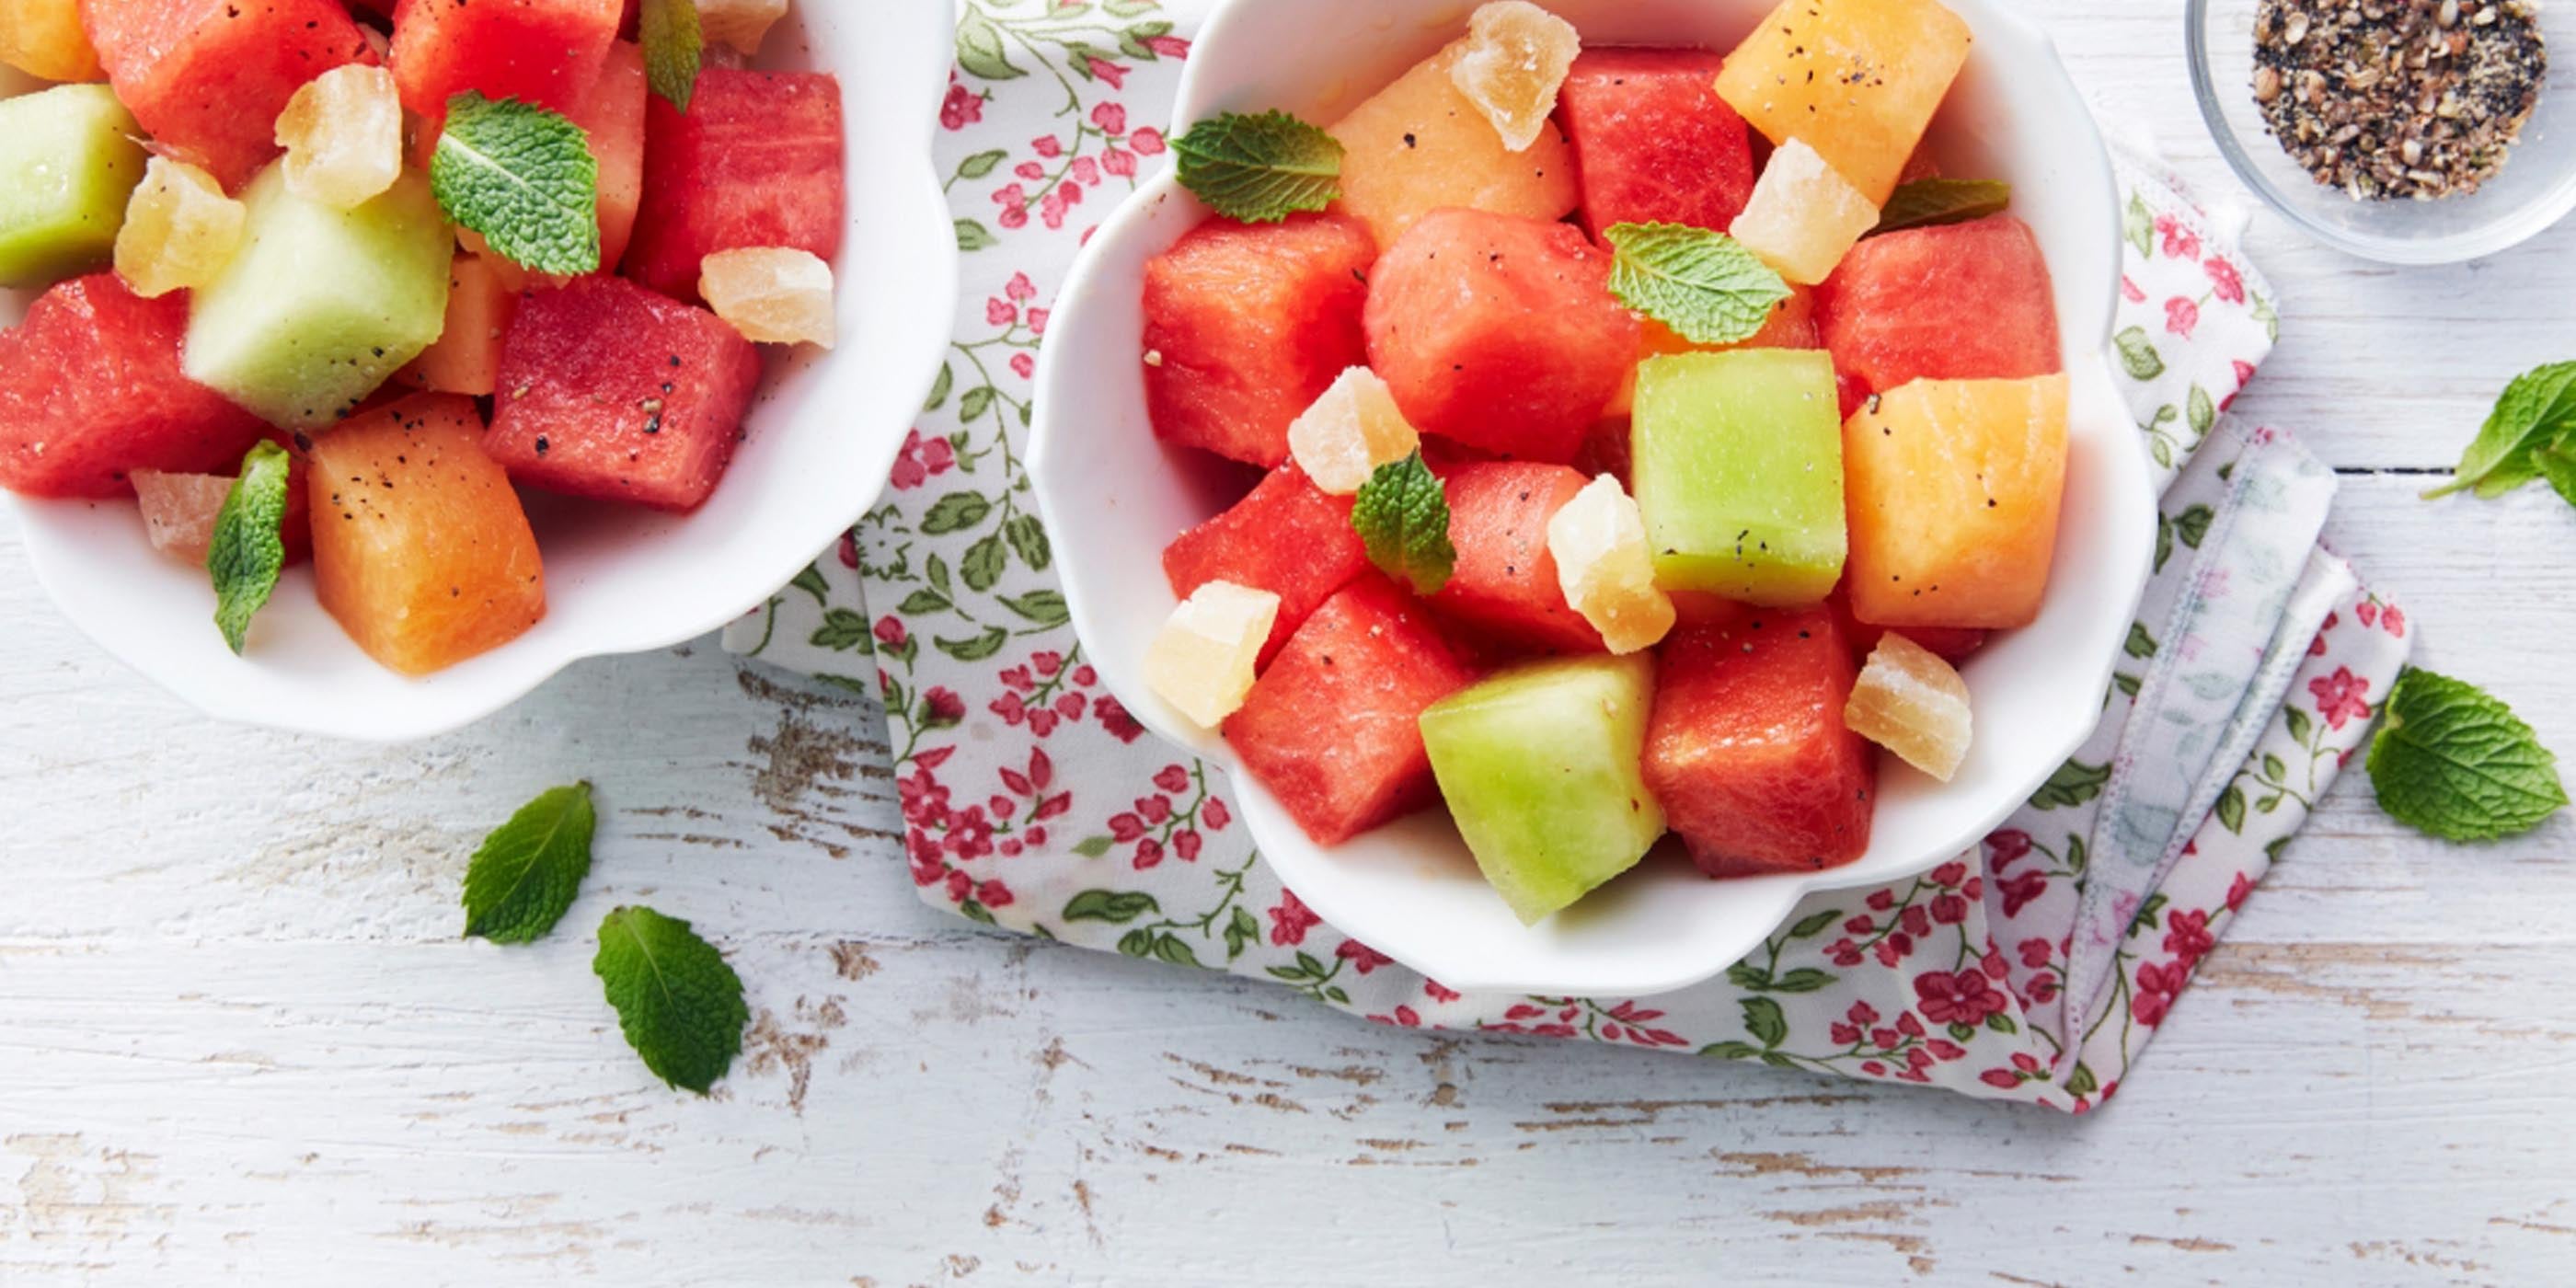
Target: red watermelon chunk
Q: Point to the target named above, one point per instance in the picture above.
(1748, 751)
(1956, 302)
(756, 161)
(1287, 537)
(207, 78)
(1654, 142)
(1332, 728)
(1246, 325)
(613, 392)
(1499, 332)
(91, 391)
(1504, 586)
(545, 52)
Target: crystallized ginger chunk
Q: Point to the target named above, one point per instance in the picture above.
(1914, 704)
(1512, 63)
(1804, 217)
(1349, 432)
(343, 136)
(772, 294)
(1598, 539)
(1202, 661)
(180, 229)
(739, 23)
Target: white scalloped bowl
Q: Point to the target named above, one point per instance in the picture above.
(823, 431)
(1114, 496)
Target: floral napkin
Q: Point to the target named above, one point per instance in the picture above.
(2034, 968)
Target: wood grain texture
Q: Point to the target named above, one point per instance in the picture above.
(239, 1036)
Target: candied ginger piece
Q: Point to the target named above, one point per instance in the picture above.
(179, 511)
(1804, 216)
(343, 136)
(1914, 704)
(1349, 432)
(739, 23)
(1202, 661)
(1511, 64)
(772, 294)
(1598, 538)
(180, 229)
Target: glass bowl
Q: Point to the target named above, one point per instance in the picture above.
(2536, 188)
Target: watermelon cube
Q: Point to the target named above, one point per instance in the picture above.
(91, 391)
(756, 161)
(1288, 537)
(611, 112)
(1965, 301)
(545, 52)
(1857, 80)
(1499, 332)
(208, 78)
(1653, 141)
(1333, 727)
(613, 392)
(1738, 470)
(1505, 584)
(1421, 144)
(1955, 487)
(1748, 751)
(68, 162)
(1247, 325)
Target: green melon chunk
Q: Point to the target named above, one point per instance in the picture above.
(321, 305)
(1739, 472)
(68, 161)
(1542, 767)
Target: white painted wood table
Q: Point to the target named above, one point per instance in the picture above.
(239, 1036)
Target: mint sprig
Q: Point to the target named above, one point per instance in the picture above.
(678, 1002)
(526, 874)
(2454, 763)
(2536, 411)
(1402, 516)
(1924, 203)
(673, 44)
(247, 551)
(524, 178)
(1259, 169)
(1704, 285)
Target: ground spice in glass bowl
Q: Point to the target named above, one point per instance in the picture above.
(2398, 98)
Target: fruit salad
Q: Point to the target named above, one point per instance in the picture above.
(1635, 443)
(343, 283)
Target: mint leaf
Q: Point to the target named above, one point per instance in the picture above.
(2452, 762)
(2557, 463)
(1402, 516)
(524, 178)
(247, 551)
(1705, 285)
(2538, 408)
(677, 1001)
(1260, 169)
(1927, 202)
(526, 873)
(672, 43)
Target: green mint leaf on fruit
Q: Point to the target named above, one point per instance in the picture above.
(524, 178)
(678, 1002)
(672, 44)
(528, 870)
(2537, 409)
(247, 551)
(1260, 169)
(1402, 516)
(1926, 202)
(2452, 762)
(1704, 285)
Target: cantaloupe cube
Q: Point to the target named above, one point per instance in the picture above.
(342, 132)
(1953, 493)
(1605, 568)
(1914, 704)
(180, 229)
(1202, 660)
(1422, 144)
(772, 294)
(43, 38)
(1804, 217)
(1792, 325)
(467, 357)
(1349, 432)
(1511, 65)
(1858, 80)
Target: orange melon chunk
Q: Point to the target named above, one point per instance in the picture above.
(1858, 80)
(1422, 144)
(1952, 490)
(467, 357)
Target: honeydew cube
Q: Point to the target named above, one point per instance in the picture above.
(1914, 704)
(68, 161)
(1738, 470)
(739, 23)
(1803, 217)
(1598, 540)
(772, 294)
(1202, 660)
(180, 229)
(1351, 430)
(1858, 80)
(1511, 65)
(342, 132)
(1421, 144)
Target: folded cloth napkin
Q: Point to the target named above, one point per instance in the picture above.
(2034, 968)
